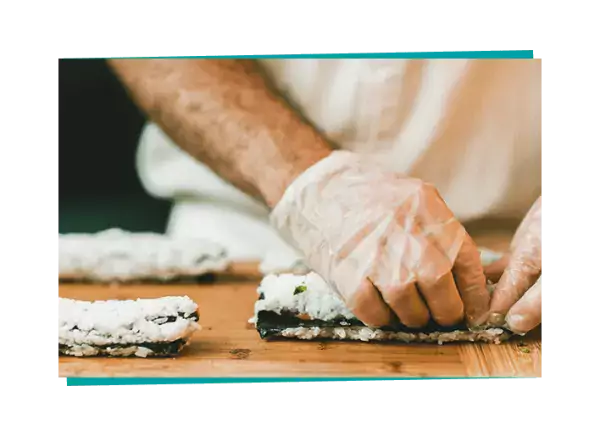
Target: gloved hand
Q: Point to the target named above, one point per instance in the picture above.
(387, 243)
(517, 299)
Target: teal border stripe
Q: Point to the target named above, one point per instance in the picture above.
(101, 381)
(493, 54)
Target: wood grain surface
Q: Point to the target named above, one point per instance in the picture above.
(227, 346)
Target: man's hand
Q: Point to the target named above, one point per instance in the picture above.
(388, 244)
(517, 299)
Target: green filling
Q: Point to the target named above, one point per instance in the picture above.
(300, 289)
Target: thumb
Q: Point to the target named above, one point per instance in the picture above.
(526, 314)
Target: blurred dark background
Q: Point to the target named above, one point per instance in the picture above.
(99, 127)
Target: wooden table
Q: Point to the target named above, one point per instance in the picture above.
(227, 346)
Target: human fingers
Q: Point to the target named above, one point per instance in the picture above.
(526, 314)
(440, 291)
(394, 276)
(523, 270)
(407, 304)
(471, 283)
(369, 307)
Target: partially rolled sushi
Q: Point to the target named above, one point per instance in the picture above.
(305, 307)
(115, 255)
(158, 327)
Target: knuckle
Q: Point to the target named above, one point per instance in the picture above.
(427, 190)
(526, 264)
(422, 189)
(433, 274)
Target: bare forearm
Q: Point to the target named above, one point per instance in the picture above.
(223, 113)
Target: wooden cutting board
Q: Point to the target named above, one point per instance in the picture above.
(227, 346)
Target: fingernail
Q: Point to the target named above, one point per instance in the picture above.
(515, 323)
(477, 322)
(497, 319)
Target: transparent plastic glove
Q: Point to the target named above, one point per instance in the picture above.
(517, 299)
(387, 243)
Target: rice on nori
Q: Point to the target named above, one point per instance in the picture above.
(305, 307)
(115, 255)
(152, 327)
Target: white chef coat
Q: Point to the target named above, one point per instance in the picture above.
(470, 127)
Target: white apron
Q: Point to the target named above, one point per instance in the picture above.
(470, 127)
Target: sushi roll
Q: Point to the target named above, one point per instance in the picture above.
(305, 307)
(158, 327)
(118, 256)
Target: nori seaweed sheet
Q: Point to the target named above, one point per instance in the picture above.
(270, 324)
(160, 349)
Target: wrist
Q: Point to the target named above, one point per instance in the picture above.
(282, 166)
(274, 181)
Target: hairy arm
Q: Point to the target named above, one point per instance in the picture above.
(223, 113)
